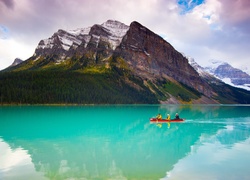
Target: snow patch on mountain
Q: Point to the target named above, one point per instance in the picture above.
(73, 38)
(79, 31)
(68, 40)
(117, 31)
(46, 43)
(116, 28)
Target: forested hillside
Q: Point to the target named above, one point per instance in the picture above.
(68, 87)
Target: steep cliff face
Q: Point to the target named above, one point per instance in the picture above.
(151, 57)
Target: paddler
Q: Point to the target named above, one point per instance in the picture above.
(159, 116)
(168, 117)
(177, 116)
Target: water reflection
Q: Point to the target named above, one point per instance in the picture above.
(16, 163)
(118, 142)
(210, 159)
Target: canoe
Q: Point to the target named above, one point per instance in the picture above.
(165, 120)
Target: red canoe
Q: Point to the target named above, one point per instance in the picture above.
(165, 120)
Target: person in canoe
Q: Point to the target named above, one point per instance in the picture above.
(168, 117)
(177, 116)
(159, 116)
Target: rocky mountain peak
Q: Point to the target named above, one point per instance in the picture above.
(16, 62)
(61, 42)
(151, 57)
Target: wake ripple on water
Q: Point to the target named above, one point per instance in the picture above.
(227, 121)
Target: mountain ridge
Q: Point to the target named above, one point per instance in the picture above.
(134, 57)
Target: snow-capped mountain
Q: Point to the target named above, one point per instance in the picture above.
(62, 42)
(222, 71)
(213, 65)
(228, 74)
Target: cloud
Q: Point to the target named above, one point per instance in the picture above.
(220, 36)
(11, 49)
(7, 3)
(236, 13)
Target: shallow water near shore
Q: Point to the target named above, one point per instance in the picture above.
(118, 142)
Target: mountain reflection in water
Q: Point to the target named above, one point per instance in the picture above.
(119, 142)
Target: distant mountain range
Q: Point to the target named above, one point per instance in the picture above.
(228, 74)
(225, 72)
(111, 63)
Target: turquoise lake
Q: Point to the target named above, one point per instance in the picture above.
(119, 143)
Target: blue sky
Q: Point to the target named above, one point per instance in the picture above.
(188, 5)
(4, 32)
(202, 29)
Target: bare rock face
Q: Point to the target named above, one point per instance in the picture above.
(150, 56)
(54, 45)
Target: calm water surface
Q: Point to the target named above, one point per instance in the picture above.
(119, 143)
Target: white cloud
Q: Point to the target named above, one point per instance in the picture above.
(210, 37)
(208, 11)
(11, 49)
